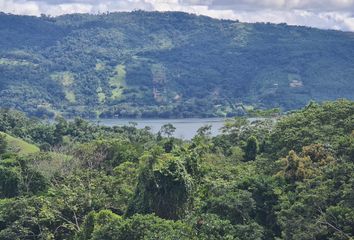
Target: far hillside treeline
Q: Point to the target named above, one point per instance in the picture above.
(167, 65)
(291, 179)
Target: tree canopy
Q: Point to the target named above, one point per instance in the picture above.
(164, 65)
(287, 179)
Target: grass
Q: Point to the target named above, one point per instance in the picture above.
(66, 79)
(117, 82)
(100, 66)
(163, 42)
(11, 62)
(20, 146)
(100, 94)
(70, 96)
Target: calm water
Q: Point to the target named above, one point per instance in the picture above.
(185, 128)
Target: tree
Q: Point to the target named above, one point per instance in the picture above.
(168, 129)
(237, 154)
(234, 127)
(321, 207)
(251, 148)
(27, 218)
(101, 225)
(3, 143)
(110, 226)
(212, 227)
(31, 180)
(9, 182)
(328, 123)
(296, 168)
(164, 188)
(204, 131)
(60, 130)
(168, 145)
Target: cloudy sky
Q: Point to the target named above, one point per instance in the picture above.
(327, 14)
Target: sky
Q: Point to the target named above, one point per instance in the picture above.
(325, 14)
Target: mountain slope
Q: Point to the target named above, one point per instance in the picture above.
(150, 64)
(19, 146)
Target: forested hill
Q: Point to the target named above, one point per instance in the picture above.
(151, 64)
(73, 180)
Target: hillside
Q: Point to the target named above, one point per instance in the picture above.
(290, 179)
(19, 146)
(151, 64)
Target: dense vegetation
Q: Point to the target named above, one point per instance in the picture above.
(151, 64)
(290, 179)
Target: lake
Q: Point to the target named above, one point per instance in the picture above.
(185, 128)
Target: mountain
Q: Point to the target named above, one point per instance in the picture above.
(172, 64)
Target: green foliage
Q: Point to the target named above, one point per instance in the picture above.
(3, 143)
(164, 188)
(27, 218)
(101, 225)
(320, 207)
(148, 64)
(251, 148)
(326, 123)
(9, 184)
(237, 154)
(88, 226)
(167, 129)
(274, 112)
(18, 145)
(107, 154)
(107, 225)
(18, 177)
(210, 226)
(96, 182)
(233, 205)
(150, 227)
(32, 181)
(297, 168)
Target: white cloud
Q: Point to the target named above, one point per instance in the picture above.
(332, 14)
(313, 5)
(19, 7)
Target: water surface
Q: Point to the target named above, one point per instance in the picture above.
(185, 128)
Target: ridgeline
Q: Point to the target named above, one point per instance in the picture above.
(172, 64)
